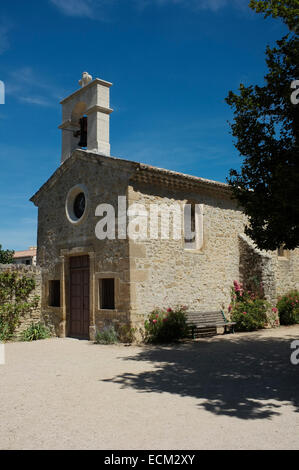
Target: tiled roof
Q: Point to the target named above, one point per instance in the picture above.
(25, 253)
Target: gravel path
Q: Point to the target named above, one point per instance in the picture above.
(228, 392)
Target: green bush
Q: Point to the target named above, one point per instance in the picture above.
(126, 334)
(251, 315)
(14, 301)
(107, 335)
(35, 332)
(164, 326)
(288, 308)
(6, 256)
(248, 309)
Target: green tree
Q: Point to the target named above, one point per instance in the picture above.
(266, 128)
(287, 10)
(6, 256)
(16, 300)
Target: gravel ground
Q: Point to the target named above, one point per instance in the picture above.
(227, 392)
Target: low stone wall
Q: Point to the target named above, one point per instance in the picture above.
(255, 263)
(31, 272)
(279, 275)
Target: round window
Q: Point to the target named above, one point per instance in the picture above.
(76, 204)
(79, 205)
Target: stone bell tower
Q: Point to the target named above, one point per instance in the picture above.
(86, 111)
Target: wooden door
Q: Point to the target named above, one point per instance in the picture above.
(79, 297)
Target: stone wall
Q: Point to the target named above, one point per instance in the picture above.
(163, 273)
(31, 272)
(287, 272)
(278, 274)
(257, 265)
(153, 272)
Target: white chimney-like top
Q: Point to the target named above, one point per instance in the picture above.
(91, 102)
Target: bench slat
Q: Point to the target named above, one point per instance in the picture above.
(207, 320)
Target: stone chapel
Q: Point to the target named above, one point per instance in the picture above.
(89, 281)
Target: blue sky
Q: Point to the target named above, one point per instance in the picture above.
(172, 63)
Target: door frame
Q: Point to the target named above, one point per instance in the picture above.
(65, 255)
(84, 323)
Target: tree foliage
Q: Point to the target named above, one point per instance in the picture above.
(15, 301)
(6, 256)
(266, 128)
(287, 10)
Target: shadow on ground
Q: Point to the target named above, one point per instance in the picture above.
(241, 376)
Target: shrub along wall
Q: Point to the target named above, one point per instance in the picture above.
(34, 273)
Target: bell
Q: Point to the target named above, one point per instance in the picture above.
(83, 132)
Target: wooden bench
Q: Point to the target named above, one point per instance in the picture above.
(205, 323)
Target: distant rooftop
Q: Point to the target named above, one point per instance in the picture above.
(25, 253)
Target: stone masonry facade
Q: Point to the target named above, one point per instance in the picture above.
(164, 273)
(148, 273)
(58, 240)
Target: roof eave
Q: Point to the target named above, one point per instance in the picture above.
(141, 172)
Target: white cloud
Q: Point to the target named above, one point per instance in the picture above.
(75, 7)
(37, 100)
(28, 87)
(96, 9)
(213, 5)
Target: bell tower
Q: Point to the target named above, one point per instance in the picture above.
(85, 117)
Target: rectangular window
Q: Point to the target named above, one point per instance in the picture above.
(54, 293)
(107, 300)
(189, 225)
(193, 226)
